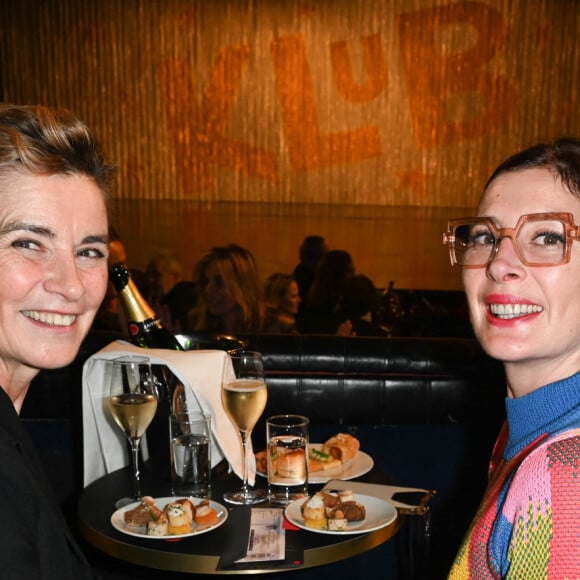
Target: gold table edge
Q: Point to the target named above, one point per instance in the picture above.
(200, 564)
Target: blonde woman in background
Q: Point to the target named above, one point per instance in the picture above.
(283, 301)
(230, 293)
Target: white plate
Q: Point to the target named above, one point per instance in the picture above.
(379, 513)
(360, 464)
(118, 520)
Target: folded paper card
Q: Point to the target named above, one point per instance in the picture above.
(105, 448)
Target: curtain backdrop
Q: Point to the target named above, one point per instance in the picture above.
(332, 103)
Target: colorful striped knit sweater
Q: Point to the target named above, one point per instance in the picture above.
(528, 525)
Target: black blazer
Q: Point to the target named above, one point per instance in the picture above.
(35, 541)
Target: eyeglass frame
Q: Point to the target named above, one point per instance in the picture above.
(572, 233)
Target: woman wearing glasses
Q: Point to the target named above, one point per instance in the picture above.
(521, 273)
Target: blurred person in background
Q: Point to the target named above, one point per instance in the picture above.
(230, 298)
(311, 251)
(283, 301)
(318, 314)
(54, 245)
(164, 270)
(117, 250)
(170, 296)
(358, 301)
(176, 305)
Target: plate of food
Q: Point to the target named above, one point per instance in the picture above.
(337, 458)
(169, 517)
(340, 512)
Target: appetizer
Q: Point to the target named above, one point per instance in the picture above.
(179, 519)
(291, 464)
(342, 446)
(339, 449)
(318, 460)
(141, 515)
(332, 510)
(181, 516)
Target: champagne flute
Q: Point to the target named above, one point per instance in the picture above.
(133, 402)
(244, 398)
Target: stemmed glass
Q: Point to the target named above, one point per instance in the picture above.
(133, 402)
(244, 396)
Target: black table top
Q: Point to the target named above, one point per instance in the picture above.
(200, 554)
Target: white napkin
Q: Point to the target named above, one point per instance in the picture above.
(105, 445)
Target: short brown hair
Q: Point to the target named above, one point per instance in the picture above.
(47, 141)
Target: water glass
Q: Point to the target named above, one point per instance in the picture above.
(287, 439)
(190, 436)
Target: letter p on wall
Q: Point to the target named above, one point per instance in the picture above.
(447, 54)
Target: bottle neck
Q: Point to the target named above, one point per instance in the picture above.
(135, 306)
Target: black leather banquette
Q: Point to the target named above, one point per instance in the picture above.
(426, 410)
(379, 381)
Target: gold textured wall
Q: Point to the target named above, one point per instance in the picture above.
(300, 116)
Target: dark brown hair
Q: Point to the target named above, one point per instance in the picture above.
(562, 158)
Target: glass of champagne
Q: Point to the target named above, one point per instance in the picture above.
(133, 402)
(244, 398)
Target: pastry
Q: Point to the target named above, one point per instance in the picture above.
(337, 523)
(319, 461)
(179, 520)
(158, 527)
(352, 511)
(188, 506)
(342, 446)
(346, 495)
(141, 515)
(292, 464)
(262, 462)
(329, 510)
(205, 515)
(314, 511)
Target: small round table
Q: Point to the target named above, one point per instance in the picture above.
(201, 554)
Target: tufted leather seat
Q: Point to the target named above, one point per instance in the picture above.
(380, 381)
(426, 409)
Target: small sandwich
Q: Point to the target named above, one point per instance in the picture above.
(158, 527)
(314, 512)
(205, 515)
(291, 464)
(346, 510)
(179, 519)
(320, 461)
(188, 506)
(346, 495)
(144, 513)
(337, 522)
(353, 511)
(331, 501)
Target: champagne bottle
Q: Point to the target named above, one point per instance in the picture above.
(147, 331)
(145, 328)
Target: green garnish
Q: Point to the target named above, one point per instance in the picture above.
(319, 455)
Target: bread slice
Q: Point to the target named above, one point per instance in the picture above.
(318, 465)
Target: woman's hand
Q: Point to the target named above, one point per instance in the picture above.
(345, 329)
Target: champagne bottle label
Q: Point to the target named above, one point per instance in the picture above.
(142, 329)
